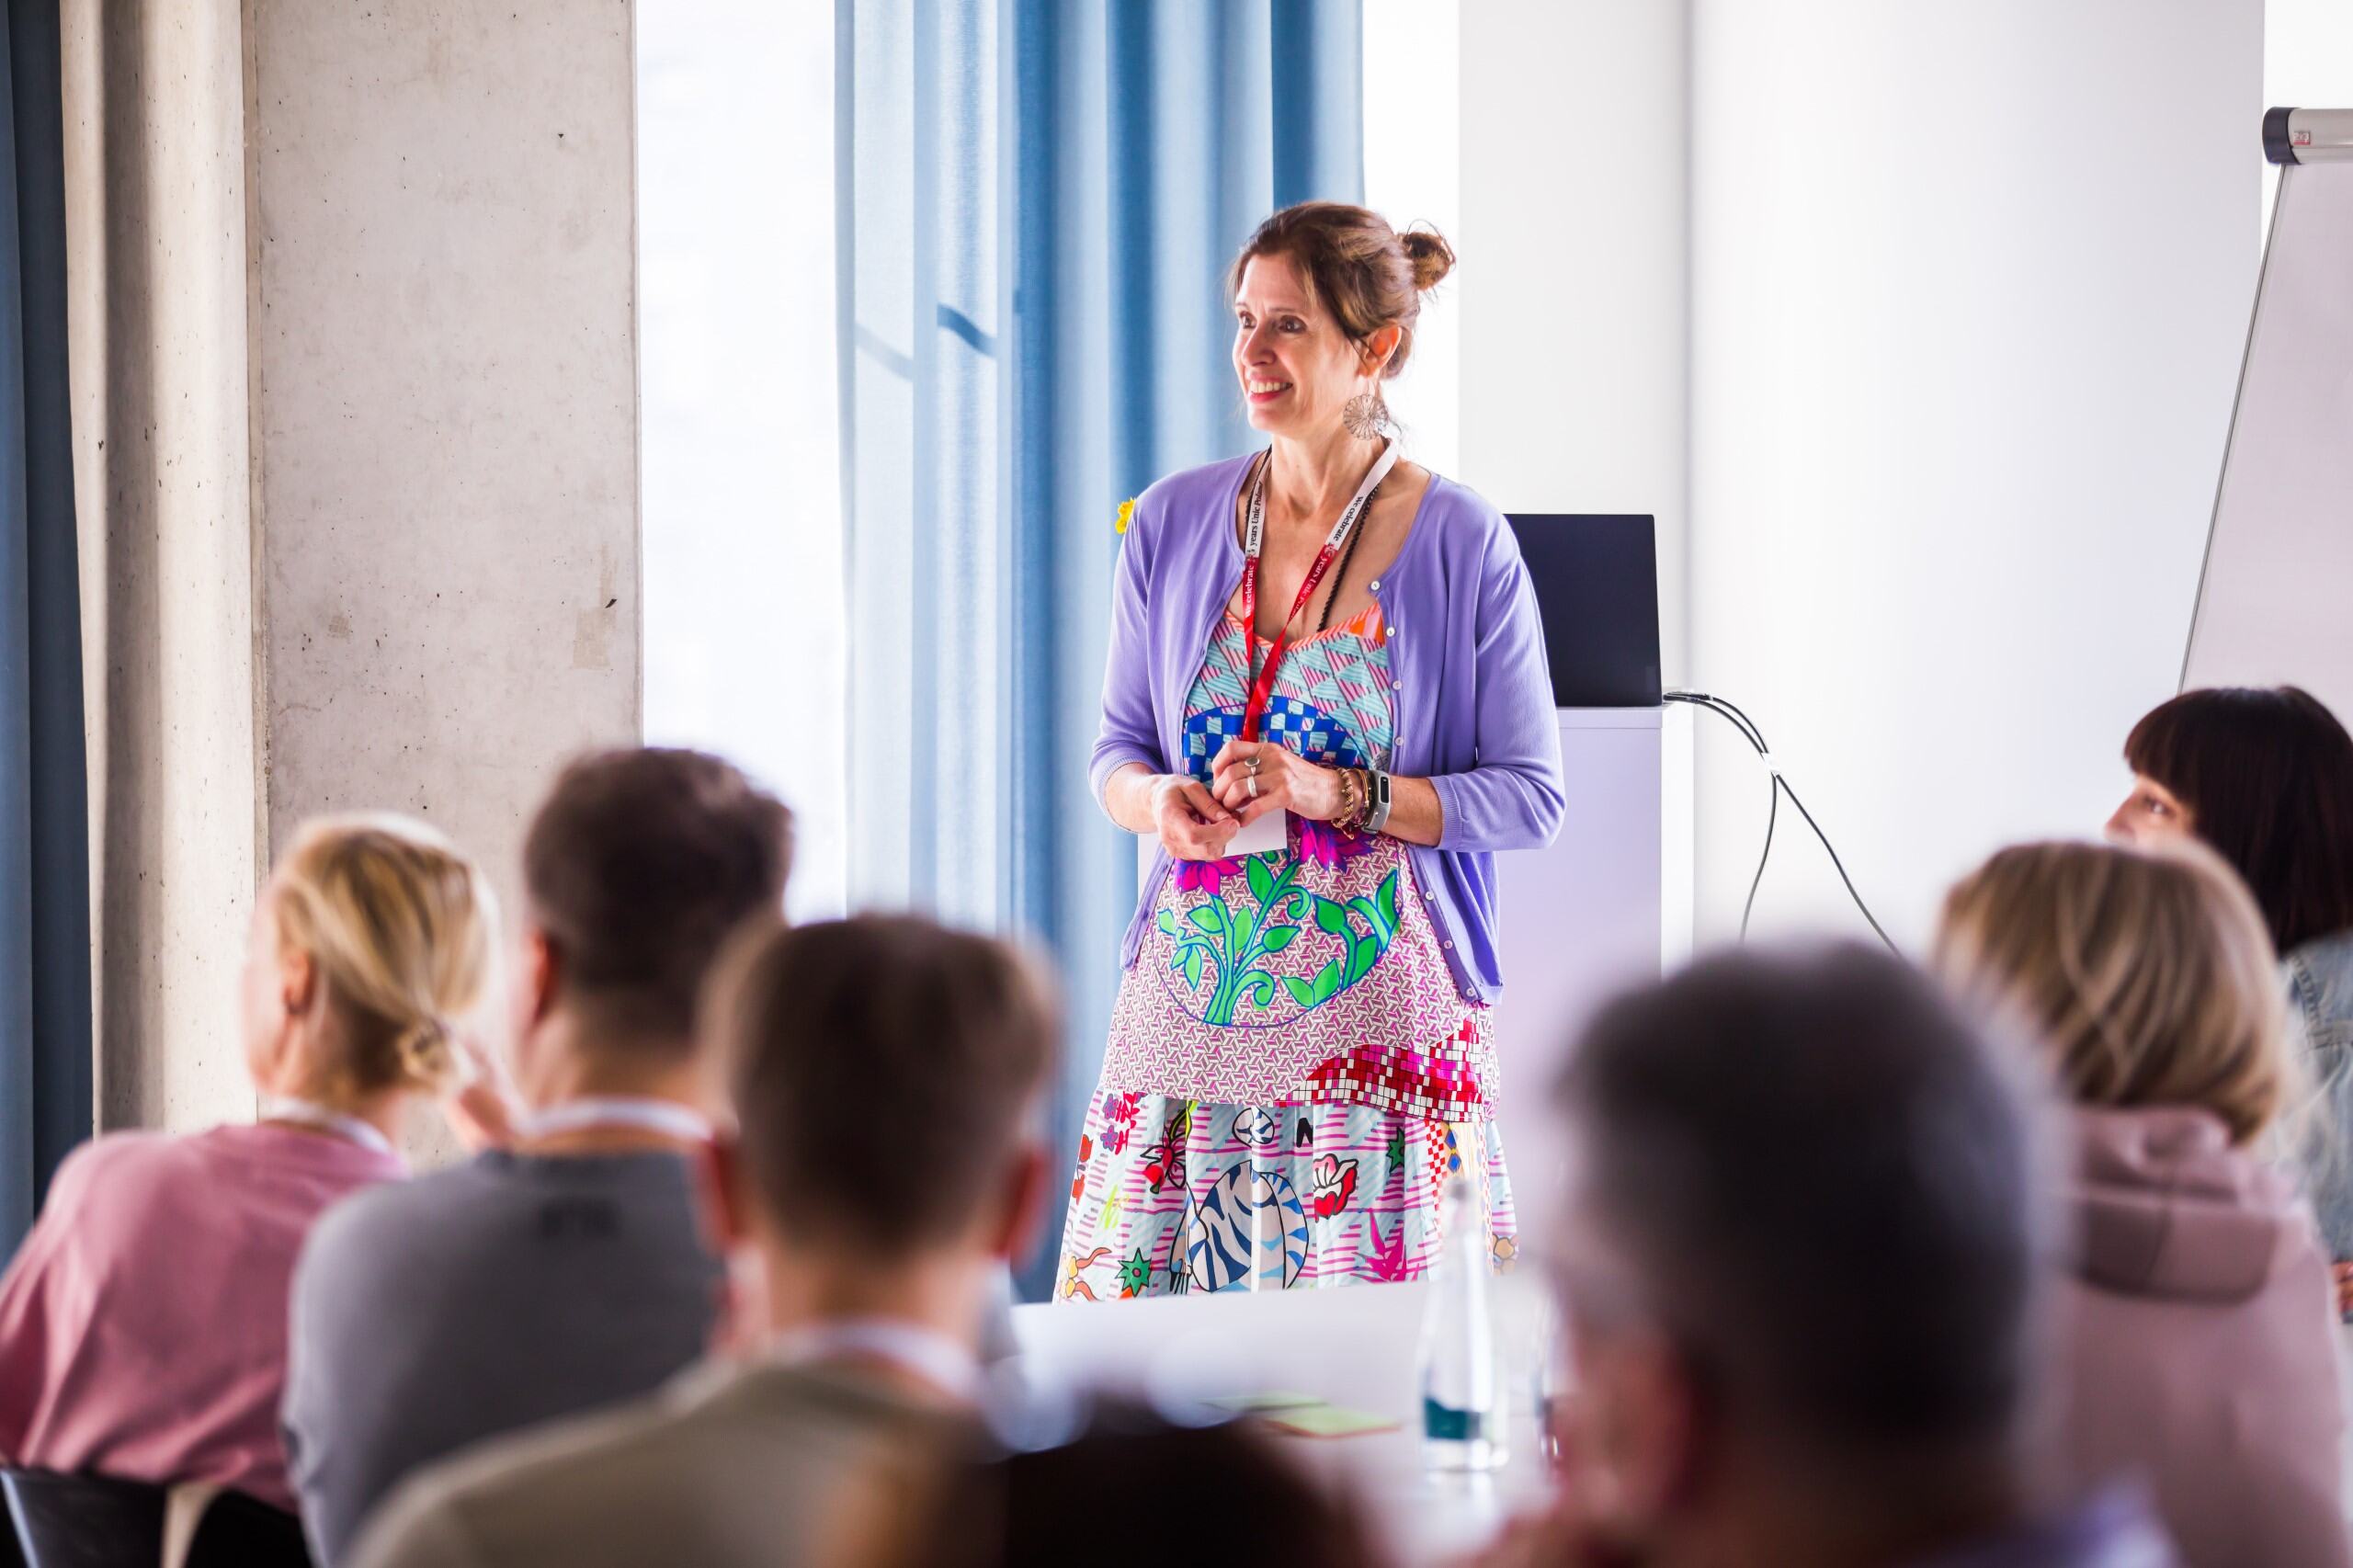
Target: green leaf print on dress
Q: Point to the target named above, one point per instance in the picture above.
(1228, 938)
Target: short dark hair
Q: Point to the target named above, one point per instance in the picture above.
(883, 1069)
(2267, 775)
(638, 867)
(1826, 1182)
(1031, 1506)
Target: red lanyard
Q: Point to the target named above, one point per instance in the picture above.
(1262, 684)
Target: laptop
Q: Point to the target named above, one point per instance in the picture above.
(1596, 587)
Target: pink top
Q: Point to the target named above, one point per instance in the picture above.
(142, 1324)
(2201, 1328)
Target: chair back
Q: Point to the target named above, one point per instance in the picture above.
(238, 1531)
(85, 1522)
(99, 1521)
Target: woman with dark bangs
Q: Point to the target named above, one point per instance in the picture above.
(2265, 777)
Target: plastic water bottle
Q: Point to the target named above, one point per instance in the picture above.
(1461, 1417)
(1551, 1378)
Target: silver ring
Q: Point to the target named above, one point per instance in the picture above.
(1254, 786)
(1252, 762)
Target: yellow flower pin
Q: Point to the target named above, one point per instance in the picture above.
(1127, 515)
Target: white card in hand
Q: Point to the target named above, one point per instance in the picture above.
(1264, 837)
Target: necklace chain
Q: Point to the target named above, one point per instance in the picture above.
(1347, 552)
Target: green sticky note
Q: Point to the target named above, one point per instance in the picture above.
(1320, 1420)
(1258, 1403)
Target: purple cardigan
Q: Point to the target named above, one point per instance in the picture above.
(1466, 650)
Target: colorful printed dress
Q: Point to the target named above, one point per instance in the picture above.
(1292, 1074)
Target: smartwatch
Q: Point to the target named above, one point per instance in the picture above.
(1376, 810)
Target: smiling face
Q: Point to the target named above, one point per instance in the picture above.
(1296, 366)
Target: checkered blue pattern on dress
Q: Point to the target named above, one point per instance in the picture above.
(1334, 712)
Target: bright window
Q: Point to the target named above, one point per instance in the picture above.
(739, 446)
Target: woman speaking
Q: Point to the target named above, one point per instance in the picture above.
(1327, 698)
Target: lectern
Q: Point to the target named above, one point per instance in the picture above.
(1609, 904)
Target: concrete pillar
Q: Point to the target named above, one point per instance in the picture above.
(356, 442)
(445, 404)
(155, 215)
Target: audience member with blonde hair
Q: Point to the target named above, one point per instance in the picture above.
(142, 1324)
(2197, 1302)
(570, 1267)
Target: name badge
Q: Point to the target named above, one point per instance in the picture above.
(1267, 834)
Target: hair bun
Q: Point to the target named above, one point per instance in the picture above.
(1432, 257)
(426, 1053)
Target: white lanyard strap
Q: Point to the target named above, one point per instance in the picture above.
(1256, 532)
(933, 1358)
(310, 1113)
(602, 1112)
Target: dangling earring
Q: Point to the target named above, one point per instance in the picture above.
(1365, 415)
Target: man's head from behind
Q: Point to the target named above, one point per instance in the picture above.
(1801, 1268)
(638, 867)
(887, 1075)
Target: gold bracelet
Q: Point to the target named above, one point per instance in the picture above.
(1356, 795)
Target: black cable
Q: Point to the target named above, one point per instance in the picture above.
(1755, 739)
(1839, 865)
(1731, 713)
(1772, 817)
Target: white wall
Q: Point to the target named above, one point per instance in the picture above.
(2307, 59)
(1571, 287)
(1962, 365)
(1412, 174)
(2308, 53)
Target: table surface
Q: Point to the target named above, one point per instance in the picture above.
(1356, 1345)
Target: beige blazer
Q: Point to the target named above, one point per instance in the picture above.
(723, 1468)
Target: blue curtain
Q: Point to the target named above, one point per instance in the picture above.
(1037, 201)
(45, 1060)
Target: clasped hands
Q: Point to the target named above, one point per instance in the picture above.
(1248, 780)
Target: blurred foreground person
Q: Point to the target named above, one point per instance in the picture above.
(2196, 1310)
(1007, 1512)
(881, 1255)
(1803, 1285)
(568, 1270)
(142, 1324)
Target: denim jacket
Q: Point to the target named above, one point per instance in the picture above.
(2320, 1033)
